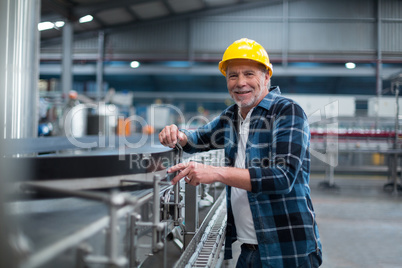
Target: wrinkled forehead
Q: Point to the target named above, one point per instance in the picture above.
(237, 64)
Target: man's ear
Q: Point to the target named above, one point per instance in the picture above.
(267, 77)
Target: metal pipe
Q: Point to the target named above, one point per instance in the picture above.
(396, 85)
(330, 71)
(44, 255)
(67, 60)
(63, 192)
(91, 57)
(114, 201)
(285, 32)
(378, 74)
(19, 65)
(99, 65)
(379, 50)
(5, 248)
(134, 219)
(112, 235)
(156, 212)
(395, 167)
(176, 187)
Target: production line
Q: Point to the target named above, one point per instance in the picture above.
(87, 86)
(95, 206)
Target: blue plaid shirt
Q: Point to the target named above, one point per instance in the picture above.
(278, 160)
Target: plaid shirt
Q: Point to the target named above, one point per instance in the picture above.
(278, 160)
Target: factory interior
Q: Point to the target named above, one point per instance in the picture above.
(87, 86)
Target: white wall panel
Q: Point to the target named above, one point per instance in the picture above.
(330, 37)
(391, 14)
(392, 33)
(391, 9)
(214, 34)
(269, 10)
(332, 9)
(210, 37)
(325, 28)
(170, 37)
(325, 106)
(383, 107)
(86, 44)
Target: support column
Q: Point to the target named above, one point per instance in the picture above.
(190, 43)
(379, 51)
(19, 64)
(99, 65)
(285, 33)
(67, 60)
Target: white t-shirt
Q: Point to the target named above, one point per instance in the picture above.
(239, 200)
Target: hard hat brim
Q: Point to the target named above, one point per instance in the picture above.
(224, 64)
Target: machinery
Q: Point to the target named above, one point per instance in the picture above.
(108, 202)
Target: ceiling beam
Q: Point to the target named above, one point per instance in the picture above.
(132, 13)
(144, 23)
(168, 7)
(82, 10)
(55, 69)
(60, 7)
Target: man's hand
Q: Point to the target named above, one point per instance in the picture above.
(195, 173)
(171, 135)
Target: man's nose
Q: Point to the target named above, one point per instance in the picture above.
(241, 81)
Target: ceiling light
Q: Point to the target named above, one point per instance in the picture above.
(134, 64)
(350, 65)
(46, 25)
(59, 24)
(86, 18)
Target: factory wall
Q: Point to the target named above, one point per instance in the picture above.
(310, 28)
(299, 35)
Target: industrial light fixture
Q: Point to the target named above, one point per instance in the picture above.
(86, 18)
(134, 64)
(46, 25)
(350, 65)
(59, 24)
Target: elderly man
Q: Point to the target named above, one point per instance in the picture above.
(266, 139)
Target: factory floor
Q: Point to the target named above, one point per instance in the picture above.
(360, 224)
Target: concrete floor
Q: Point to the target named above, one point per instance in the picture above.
(360, 225)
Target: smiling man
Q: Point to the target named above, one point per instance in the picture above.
(247, 83)
(266, 138)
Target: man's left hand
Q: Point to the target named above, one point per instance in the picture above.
(195, 173)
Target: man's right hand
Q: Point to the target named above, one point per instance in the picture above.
(171, 135)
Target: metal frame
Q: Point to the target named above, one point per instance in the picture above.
(195, 246)
(165, 218)
(119, 205)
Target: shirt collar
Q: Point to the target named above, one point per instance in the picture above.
(266, 102)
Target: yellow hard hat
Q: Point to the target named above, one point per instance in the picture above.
(245, 49)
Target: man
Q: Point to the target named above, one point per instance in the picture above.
(266, 139)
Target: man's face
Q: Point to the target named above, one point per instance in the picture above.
(247, 83)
